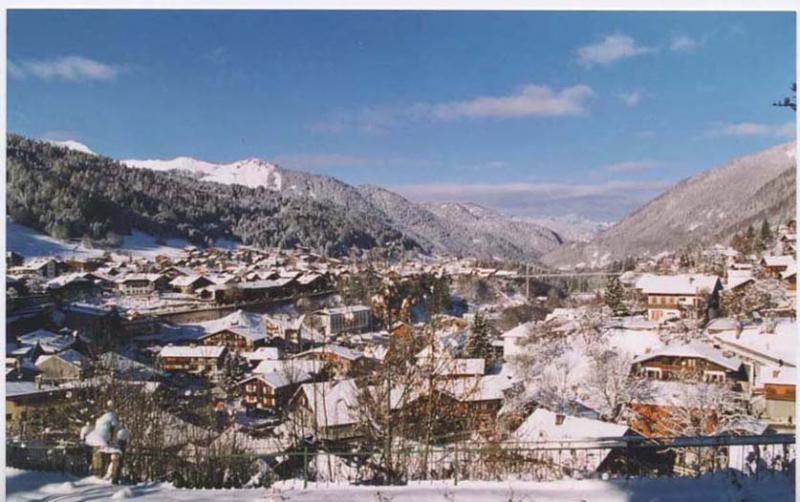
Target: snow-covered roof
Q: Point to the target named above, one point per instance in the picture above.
(332, 402)
(186, 280)
(778, 261)
(262, 353)
(47, 340)
(213, 351)
(247, 324)
(472, 366)
(289, 366)
(139, 277)
(683, 284)
(693, 349)
(70, 356)
(521, 331)
(277, 380)
(775, 375)
(754, 341)
(351, 309)
(338, 350)
(543, 425)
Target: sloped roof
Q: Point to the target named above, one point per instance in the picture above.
(70, 356)
(778, 261)
(332, 402)
(214, 351)
(682, 284)
(247, 324)
(542, 425)
(694, 349)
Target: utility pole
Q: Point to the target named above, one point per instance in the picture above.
(527, 281)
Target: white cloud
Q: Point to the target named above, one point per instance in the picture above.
(751, 129)
(683, 43)
(612, 48)
(631, 99)
(531, 101)
(631, 166)
(69, 68)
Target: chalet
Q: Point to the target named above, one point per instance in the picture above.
(769, 343)
(239, 332)
(341, 359)
(690, 361)
(269, 391)
(603, 452)
(775, 391)
(789, 278)
(30, 402)
(775, 265)
(43, 267)
(447, 367)
(327, 409)
(125, 368)
(268, 290)
(292, 368)
(672, 296)
(141, 284)
(352, 319)
(189, 283)
(67, 365)
(199, 360)
(255, 357)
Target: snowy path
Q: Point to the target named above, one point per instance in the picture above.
(53, 487)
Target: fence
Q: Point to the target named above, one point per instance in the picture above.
(541, 461)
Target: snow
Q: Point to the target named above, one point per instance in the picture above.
(251, 173)
(200, 351)
(27, 486)
(30, 243)
(72, 145)
(684, 284)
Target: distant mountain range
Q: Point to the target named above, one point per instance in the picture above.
(706, 208)
(324, 212)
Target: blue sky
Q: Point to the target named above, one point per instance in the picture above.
(532, 113)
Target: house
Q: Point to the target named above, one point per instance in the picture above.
(672, 296)
(239, 332)
(67, 365)
(512, 338)
(199, 360)
(293, 368)
(141, 284)
(775, 391)
(14, 259)
(772, 342)
(689, 361)
(448, 367)
(125, 368)
(255, 357)
(789, 279)
(774, 265)
(545, 426)
(327, 410)
(31, 402)
(269, 391)
(43, 267)
(341, 359)
(352, 319)
(189, 283)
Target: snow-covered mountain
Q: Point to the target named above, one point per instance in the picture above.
(709, 207)
(251, 173)
(72, 145)
(437, 228)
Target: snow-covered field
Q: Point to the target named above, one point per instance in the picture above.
(29, 486)
(30, 243)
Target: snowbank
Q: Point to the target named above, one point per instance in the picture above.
(24, 486)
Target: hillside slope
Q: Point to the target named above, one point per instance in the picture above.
(705, 208)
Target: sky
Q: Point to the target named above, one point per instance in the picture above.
(534, 113)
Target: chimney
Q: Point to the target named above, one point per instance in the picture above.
(559, 418)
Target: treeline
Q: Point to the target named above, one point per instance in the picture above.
(72, 195)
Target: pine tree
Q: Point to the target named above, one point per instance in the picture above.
(478, 344)
(615, 295)
(766, 232)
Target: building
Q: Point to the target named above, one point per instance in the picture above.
(28, 402)
(239, 332)
(269, 391)
(691, 361)
(512, 338)
(341, 359)
(678, 296)
(327, 409)
(141, 284)
(64, 366)
(351, 319)
(774, 395)
(774, 265)
(189, 283)
(199, 360)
